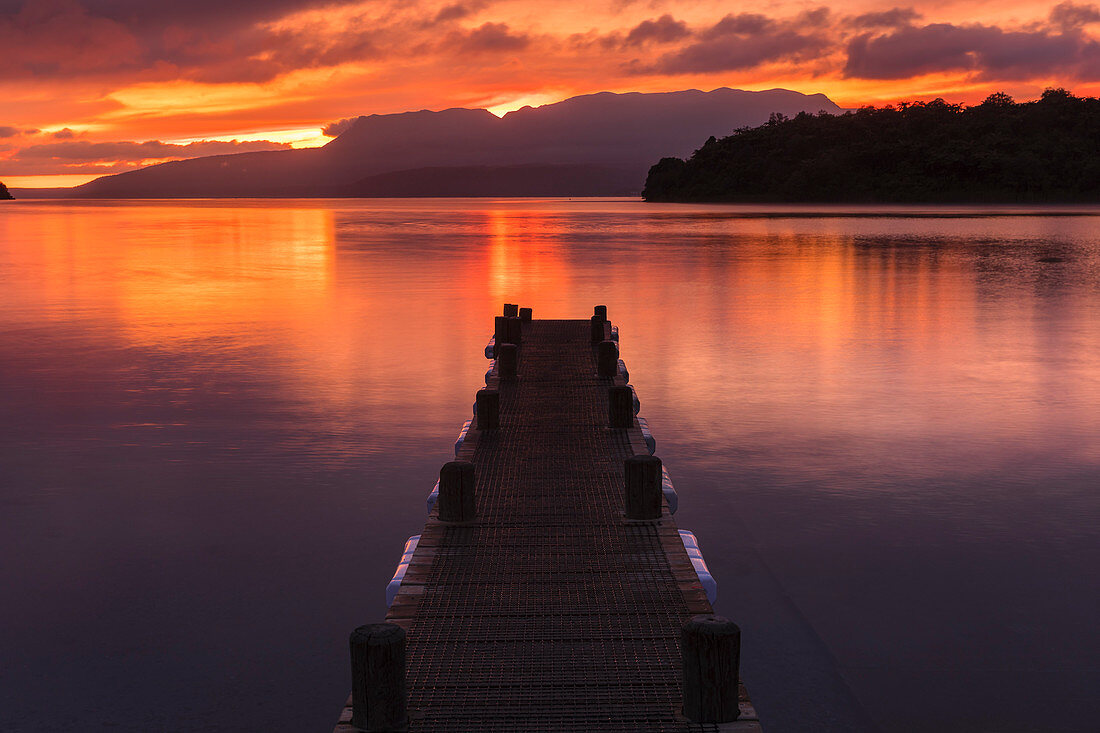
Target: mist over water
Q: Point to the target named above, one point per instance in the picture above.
(222, 419)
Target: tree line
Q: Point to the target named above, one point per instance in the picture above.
(1047, 150)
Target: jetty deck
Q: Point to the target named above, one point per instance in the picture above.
(549, 610)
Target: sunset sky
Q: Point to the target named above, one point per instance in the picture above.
(91, 87)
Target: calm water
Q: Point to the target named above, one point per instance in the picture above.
(221, 420)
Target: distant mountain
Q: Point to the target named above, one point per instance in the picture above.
(622, 135)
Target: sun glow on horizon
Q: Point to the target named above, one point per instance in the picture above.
(55, 181)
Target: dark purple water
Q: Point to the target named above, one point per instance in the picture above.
(220, 420)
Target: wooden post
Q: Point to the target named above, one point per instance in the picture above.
(620, 407)
(500, 330)
(488, 409)
(515, 330)
(456, 492)
(597, 329)
(643, 487)
(507, 361)
(378, 698)
(525, 314)
(711, 650)
(607, 359)
(510, 309)
(601, 311)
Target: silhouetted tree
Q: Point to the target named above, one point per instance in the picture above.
(998, 99)
(999, 150)
(4, 193)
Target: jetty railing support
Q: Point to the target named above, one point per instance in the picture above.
(711, 651)
(597, 329)
(457, 502)
(515, 330)
(620, 407)
(488, 409)
(601, 311)
(643, 487)
(507, 361)
(525, 314)
(607, 359)
(511, 309)
(378, 698)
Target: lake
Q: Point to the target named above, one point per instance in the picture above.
(222, 419)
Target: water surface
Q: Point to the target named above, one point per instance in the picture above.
(222, 418)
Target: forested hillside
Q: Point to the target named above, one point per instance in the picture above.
(997, 151)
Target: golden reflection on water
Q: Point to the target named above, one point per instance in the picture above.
(169, 274)
(824, 325)
(524, 257)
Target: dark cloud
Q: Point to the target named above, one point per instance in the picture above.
(59, 37)
(63, 134)
(659, 30)
(1067, 15)
(142, 14)
(742, 24)
(489, 38)
(201, 40)
(887, 19)
(457, 11)
(988, 52)
(744, 41)
(339, 127)
(6, 131)
(83, 151)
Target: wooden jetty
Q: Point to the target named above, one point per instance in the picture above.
(550, 589)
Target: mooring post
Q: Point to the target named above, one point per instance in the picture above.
(515, 330)
(597, 329)
(456, 492)
(620, 407)
(500, 330)
(711, 650)
(607, 359)
(507, 361)
(601, 311)
(511, 309)
(525, 314)
(378, 698)
(488, 409)
(643, 487)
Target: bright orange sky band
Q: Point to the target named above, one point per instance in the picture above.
(92, 87)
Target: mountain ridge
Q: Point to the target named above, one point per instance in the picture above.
(625, 132)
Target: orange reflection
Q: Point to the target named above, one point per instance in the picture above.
(179, 272)
(524, 263)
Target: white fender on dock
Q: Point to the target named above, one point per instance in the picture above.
(650, 441)
(402, 567)
(669, 491)
(710, 585)
(462, 435)
(433, 496)
(623, 372)
(491, 348)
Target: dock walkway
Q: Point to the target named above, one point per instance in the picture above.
(550, 610)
